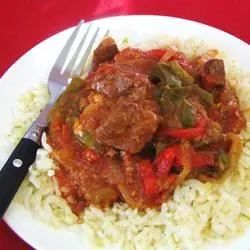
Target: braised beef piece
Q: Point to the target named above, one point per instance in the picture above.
(213, 74)
(129, 125)
(106, 51)
(126, 123)
(133, 117)
(114, 81)
(227, 113)
(136, 60)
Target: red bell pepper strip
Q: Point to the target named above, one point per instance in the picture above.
(148, 178)
(187, 133)
(165, 160)
(174, 155)
(156, 53)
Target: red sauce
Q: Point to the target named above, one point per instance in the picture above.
(117, 136)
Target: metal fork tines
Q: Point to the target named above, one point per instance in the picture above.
(71, 59)
(58, 71)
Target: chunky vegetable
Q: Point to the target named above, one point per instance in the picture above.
(181, 73)
(87, 139)
(157, 53)
(188, 114)
(165, 160)
(165, 75)
(148, 178)
(187, 133)
(183, 61)
(176, 95)
(140, 124)
(172, 74)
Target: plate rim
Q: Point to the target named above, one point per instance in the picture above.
(126, 16)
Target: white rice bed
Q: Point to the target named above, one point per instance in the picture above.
(197, 212)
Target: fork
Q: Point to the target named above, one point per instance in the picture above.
(23, 156)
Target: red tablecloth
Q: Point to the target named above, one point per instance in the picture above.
(27, 22)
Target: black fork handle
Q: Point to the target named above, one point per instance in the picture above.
(17, 165)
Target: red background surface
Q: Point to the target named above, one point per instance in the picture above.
(24, 23)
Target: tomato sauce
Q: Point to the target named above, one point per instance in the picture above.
(140, 124)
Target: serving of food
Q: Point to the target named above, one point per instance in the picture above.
(140, 124)
(148, 150)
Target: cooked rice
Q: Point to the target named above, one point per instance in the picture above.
(197, 213)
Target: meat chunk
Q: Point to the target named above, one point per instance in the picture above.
(228, 113)
(213, 74)
(91, 117)
(114, 81)
(129, 125)
(136, 60)
(106, 51)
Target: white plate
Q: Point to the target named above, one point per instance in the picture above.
(33, 68)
